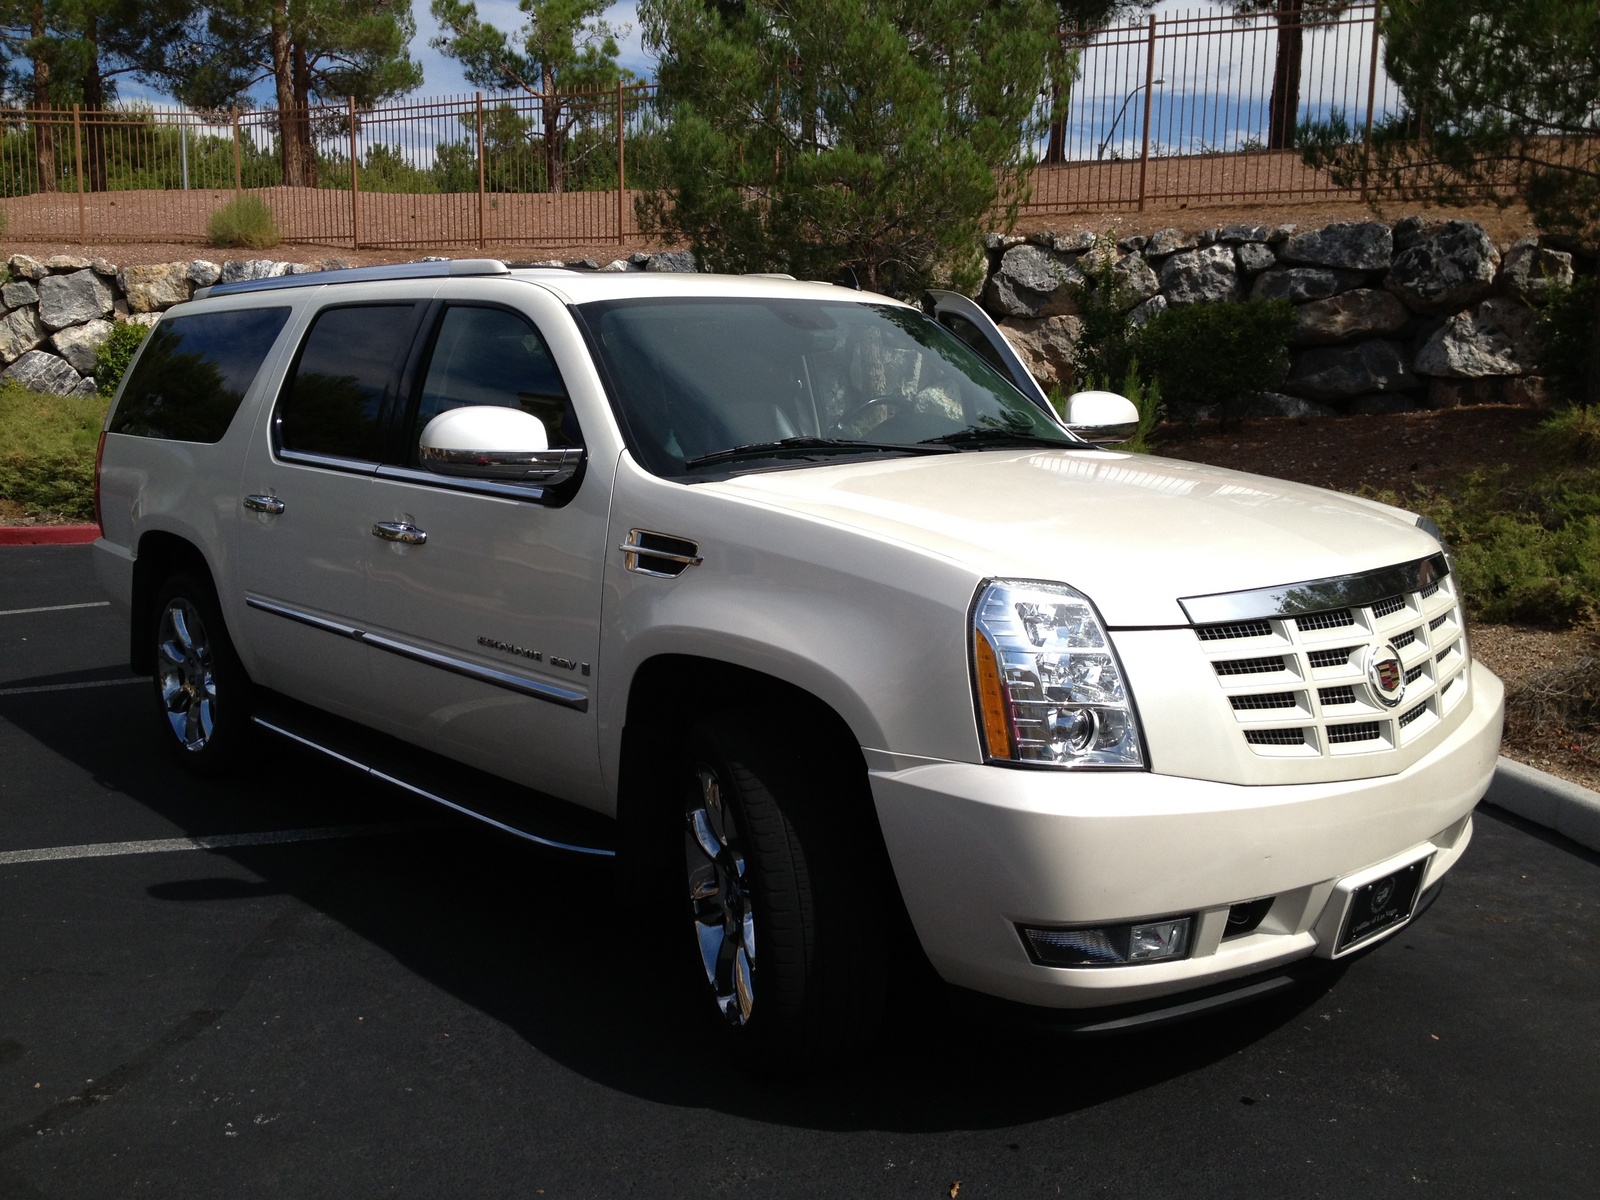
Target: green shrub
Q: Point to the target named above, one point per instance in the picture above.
(1527, 549)
(1566, 333)
(244, 221)
(47, 446)
(115, 353)
(1571, 435)
(1101, 351)
(1216, 354)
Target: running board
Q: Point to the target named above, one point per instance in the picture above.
(521, 812)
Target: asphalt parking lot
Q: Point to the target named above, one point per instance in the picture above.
(337, 993)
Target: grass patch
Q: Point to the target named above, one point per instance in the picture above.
(244, 221)
(47, 446)
(1527, 545)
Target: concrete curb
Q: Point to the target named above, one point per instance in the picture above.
(1566, 808)
(48, 535)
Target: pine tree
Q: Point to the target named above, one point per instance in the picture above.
(877, 135)
(563, 48)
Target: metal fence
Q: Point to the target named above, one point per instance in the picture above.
(468, 171)
(1206, 107)
(1198, 107)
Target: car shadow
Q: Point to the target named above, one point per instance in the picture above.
(532, 938)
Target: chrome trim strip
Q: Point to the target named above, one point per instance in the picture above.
(549, 692)
(1315, 595)
(353, 466)
(383, 777)
(488, 487)
(566, 697)
(294, 614)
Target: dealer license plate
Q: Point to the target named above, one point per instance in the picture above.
(1382, 904)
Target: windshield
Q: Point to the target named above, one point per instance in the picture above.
(809, 379)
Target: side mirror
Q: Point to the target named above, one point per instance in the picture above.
(1103, 418)
(489, 441)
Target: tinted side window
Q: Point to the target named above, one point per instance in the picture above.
(490, 356)
(194, 372)
(348, 369)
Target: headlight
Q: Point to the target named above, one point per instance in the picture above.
(1049, 687)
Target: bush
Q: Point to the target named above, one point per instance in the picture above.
(1101, 351)
(115, 353)
(244, 221)
(47, 446)
(1566, 331)
(1216, 354)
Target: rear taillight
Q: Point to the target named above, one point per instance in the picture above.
(99, 453)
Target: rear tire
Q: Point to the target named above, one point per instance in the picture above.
(202, 693)
(785, 884)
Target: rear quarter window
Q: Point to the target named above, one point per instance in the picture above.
(193, 372)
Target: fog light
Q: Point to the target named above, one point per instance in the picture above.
(1109, 945)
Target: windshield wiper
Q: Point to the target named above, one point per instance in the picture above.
(996, 437)
(802, 445)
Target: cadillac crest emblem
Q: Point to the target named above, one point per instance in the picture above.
(1386, 674)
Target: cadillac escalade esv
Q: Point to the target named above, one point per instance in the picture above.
(807, 604)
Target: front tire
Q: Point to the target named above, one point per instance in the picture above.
(785, 894)
(201, 689)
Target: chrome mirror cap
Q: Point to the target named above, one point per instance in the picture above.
(492, 442)
(1103, 418)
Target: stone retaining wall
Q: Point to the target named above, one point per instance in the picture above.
(1388, 318)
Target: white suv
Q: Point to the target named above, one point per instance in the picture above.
(806, 603)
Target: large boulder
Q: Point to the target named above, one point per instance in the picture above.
(1135, 281)
(1348, 245)
(1276, 404)
(1362, 313)
(152, 287)
(1032, 282)
(1147, 312)
(1530, 391)
(79, 343)
(1254, 257)
(24, 267)
(1198, 276)
(1334, 372)
(243, 270)
(1529, 271)
(1495, 339)
(202, 273)
(20, 331)
(1301, 284)
(1170, 241)
(67, 262)
(1045, 345)
(19, 292)
(1243, 233)
(676, 261)
(73, 299)
(41, 372)
(1446, 270)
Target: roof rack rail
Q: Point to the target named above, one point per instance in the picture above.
(416, 270)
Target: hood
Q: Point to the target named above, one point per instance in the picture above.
(1133, 533)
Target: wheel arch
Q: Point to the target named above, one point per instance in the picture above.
(159, 556)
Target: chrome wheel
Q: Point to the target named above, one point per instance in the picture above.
(719, 889)
(186, 674)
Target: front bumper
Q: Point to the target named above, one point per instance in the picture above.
(978, 850)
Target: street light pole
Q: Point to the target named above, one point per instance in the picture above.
(1101, 153)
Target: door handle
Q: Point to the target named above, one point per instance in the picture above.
(403, 532)
(264, 504)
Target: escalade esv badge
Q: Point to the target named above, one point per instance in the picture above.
(1386, 675)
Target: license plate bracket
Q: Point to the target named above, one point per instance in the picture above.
(1380, 905)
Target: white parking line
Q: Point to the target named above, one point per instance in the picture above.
(223, 841)
(17, 612)
(72, 687)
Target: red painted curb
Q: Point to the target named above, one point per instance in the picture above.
(47, 535)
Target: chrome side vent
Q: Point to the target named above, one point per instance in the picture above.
(659, 554)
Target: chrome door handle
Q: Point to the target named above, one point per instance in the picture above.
(403, 532)
(264, 504)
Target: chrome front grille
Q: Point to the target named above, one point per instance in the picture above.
(1298, 684)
